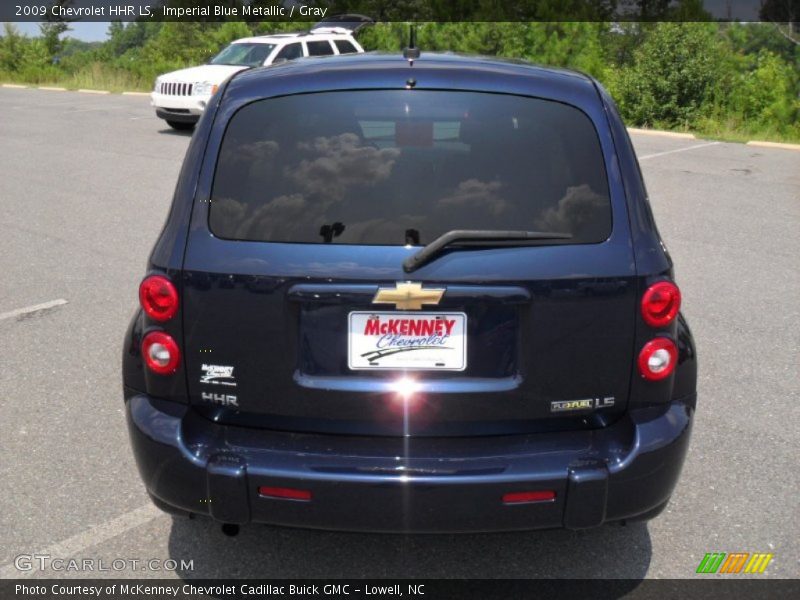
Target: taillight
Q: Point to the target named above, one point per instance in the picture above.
(161, 353)
(527, 497)
(661, 303)
(158, 298)
(284, 493)
(657, 359)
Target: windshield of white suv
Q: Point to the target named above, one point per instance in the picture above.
(245, 55)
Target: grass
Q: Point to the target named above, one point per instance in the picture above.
(94, 77)
(734, 130)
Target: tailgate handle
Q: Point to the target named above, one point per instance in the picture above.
(345, 293)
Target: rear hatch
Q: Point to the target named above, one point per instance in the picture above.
(299, 314)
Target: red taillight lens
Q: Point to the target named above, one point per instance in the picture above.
(284, 493)
(524, 497)
(661, 303)
(161, 353)
(658, 358)
(158, 298)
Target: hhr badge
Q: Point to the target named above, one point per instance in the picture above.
(221, 399)
(408, 296)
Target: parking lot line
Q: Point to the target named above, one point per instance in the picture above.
(646, 156)
(91, 537)
(31, 309)
(774, 145)
(672, 134)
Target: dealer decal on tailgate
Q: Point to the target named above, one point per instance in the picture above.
(399, 340)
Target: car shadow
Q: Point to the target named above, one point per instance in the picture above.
(261, 551)
(181, 133)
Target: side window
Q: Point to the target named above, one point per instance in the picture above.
(290, 52)
(319, 48)
(345, 47)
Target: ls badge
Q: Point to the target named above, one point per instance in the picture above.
(585, 404)
(408, 296)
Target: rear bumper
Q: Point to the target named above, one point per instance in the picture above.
(409, 484)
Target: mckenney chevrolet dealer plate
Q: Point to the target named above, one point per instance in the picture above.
(407, 340)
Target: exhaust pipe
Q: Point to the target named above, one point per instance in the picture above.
(230, 529)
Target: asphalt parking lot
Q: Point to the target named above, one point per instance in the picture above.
(85, 186)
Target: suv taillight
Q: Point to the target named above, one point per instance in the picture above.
(158, 297)
(658, 358)
(661, 303)
(161, 353)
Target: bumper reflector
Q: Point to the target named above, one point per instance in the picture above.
(283, 493)
(526, 497)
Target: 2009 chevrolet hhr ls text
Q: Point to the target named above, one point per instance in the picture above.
(410, 294)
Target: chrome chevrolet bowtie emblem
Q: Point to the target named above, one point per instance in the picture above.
(408, 296)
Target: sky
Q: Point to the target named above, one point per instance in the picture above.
(88, 32)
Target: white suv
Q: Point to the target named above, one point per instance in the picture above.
(180, 97)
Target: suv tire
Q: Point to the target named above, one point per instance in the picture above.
(178, 126)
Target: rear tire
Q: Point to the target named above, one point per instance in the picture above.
(179, 126)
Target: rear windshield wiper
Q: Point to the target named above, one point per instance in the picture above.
(414, 261)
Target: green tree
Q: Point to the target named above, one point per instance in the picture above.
(784, 15)
(767, 94)
(124, 37)
(673, 75)
(11, 48)
(752, 38)
(52, 29)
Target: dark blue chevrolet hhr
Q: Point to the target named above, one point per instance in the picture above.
(410, 296)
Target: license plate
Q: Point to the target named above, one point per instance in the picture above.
(407, 340)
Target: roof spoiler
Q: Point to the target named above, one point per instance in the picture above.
(345, 23)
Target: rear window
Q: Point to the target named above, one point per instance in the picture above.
(290, 51)
(345, 47)
(322, 48)
(400, 167)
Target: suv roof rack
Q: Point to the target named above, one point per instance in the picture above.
(335, 30)
(344, 23)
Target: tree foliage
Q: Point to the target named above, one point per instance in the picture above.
(673, 74)
(53, 28)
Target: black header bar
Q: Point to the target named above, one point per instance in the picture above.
(399, 10)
